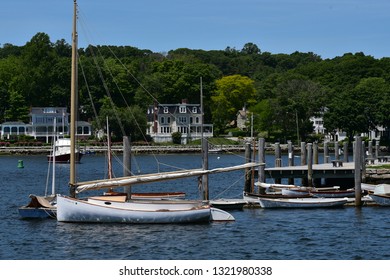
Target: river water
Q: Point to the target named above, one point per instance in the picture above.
(346, 233)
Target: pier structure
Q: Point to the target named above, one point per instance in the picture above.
(335, 170)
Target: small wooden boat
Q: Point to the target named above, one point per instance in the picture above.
(39, 207)
(301, 202)
(228, 204)
(381, 199)
(320, 192)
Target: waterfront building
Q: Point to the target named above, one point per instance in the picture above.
(165, 119)
(41, 125)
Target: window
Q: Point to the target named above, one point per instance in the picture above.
(197, 119)
(162, 120)
(166, 110)
(183, 109)
(194, 110)
(182, 120)
(191, 120)
(168, 119)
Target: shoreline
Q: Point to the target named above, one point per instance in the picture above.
(36, 150)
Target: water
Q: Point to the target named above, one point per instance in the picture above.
(318, 234)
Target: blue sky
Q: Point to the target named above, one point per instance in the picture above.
(328, 28)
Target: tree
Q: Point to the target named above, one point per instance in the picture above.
(250, 48)
(360, 109)
(232, 94)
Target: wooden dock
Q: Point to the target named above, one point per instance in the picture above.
(325, 170)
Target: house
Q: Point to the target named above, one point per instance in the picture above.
(242, 118)
(165, 119)
(41, 125)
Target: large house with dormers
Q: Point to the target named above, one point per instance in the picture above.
(165, 119)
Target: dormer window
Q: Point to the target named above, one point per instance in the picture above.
(165, 110)
(194, 110)
(183, 109)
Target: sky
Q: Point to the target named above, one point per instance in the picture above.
(328, 28)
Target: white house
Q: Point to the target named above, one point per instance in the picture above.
(165, 119)
(41, 124)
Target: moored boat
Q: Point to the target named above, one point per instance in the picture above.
(302, 202)
(381, 199)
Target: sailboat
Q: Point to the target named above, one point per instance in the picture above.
(119, 209)
(43, 206)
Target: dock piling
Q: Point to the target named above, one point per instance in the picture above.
(358, 175)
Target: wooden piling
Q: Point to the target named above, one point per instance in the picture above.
(261, 154)
(127, 163)
(363, 160)
(310, 164)
(290, 159)
(248, 157)
(278, 159)
(376, 149)
(205, 178)
(326, 152)
(303, 161)
(358, 175)
(315, 153)
(303, 153)
(345, 151)
(336, 151)
(370, 153)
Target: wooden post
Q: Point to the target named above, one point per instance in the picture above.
(127, 163)
(290, 159)
(358, 175)
(315, 153)
(205, 178)
(363, 160)
(317, 181)
(370, 153)
(248, 176)
(303, 161)
(261, 152)
(310, 164)
(326, 152)
(376, 149)
(303, 153)
(278, 160)
(345, 150)
(336, 151)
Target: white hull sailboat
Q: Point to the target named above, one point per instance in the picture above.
(105, 211)
(111, 209)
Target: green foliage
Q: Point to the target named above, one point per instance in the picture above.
(282, 90)
(176, 138)
(232, 94)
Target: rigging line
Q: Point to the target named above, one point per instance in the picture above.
(89, 94)
(139, 83)
(106, 88)
(231, 185)
(133, 76)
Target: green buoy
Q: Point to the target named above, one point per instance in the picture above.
(20, 164)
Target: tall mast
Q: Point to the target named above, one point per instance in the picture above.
(73, 105)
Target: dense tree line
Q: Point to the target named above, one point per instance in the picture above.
(283, 91)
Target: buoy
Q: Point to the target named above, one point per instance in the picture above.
(20, 164)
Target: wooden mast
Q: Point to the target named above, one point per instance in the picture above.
(204, 144)
(73, 105)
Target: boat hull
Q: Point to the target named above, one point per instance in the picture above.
(100, 211)
(381, 199)
(64, 158)
(37, 213)
(302, 202)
